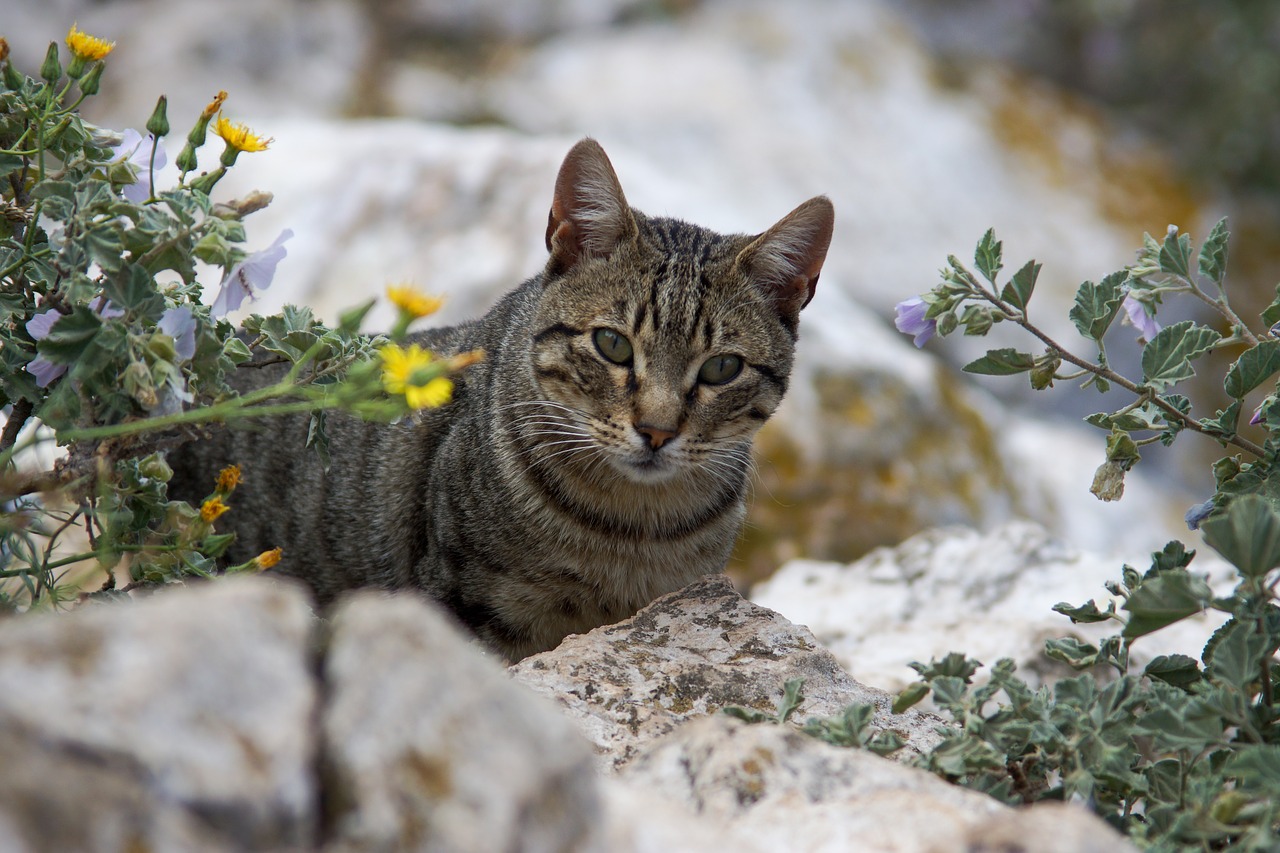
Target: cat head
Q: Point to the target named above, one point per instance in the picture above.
(670, 344)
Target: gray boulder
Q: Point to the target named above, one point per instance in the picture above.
(429, 746)
(197, 704)
(690, 654)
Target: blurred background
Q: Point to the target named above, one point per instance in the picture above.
(417, 140)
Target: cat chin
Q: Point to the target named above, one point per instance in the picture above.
(649, 472)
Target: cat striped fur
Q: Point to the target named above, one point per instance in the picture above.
(598, 457)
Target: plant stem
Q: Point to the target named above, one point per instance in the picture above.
(1110, 375)
(17, 420)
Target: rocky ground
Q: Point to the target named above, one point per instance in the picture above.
(223, 716)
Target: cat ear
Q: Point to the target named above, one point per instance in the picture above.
(589, 214)
(787, 258)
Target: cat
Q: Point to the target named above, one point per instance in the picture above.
(597, 458)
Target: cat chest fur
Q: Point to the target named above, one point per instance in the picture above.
(600, 455)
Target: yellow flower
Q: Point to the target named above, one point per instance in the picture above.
(408, 372)
(212, 508)
(413, 301)
(240, 137)
(268, 559)
(228, 479)
(86, 47)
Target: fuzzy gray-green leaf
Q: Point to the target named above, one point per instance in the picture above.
(1213, 252)
(1166, 359)
(1247, 534)
(1175, 254)
(1001, 362)
(1018, 291)
(1254, 366)
(987, 257)
(1097, 305)
(1163, 600)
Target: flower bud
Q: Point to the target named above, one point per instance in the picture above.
(947, 324)
(4, 50)
(12, 79)
(51, 70)
(158, 124)
(205, 182)
(89, 83)
(186, 161)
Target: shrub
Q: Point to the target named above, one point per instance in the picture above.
(107, 345)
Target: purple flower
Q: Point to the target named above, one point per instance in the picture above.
(910, 320)
(39, 326)
(135, 150)
(253, 273)
(1139, 318)
(105, 309)
(179, 324)
(1197, 514)
(45, 371)
(41, 368)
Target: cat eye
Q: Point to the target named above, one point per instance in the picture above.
(613, 346)
(719, 369)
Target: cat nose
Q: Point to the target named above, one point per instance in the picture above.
(655, 435)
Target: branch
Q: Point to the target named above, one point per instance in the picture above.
(1110, 375)
(18, 417)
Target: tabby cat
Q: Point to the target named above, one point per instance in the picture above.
(596, 459)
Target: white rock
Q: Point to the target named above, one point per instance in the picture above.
(429, 746)
(289, 57)
(782, 790)
(203, 694)
(987, 595)
(688, 655)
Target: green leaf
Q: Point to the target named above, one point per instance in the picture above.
(1254, 366)
(1096, 305)
(1271, 314)
(133, 290)
(792, 697)
(1247, 534)
(1175, 254)
(1213, 253)
(1226, 423)
(1256, 764)
(747, 715)
(1001, 362)
(1193, 727)
(1166, 359)
(954, 664)
(1087, 612)
(1236, 657)
(1176, 670)
(1072, 652)
(1018, 291)
(70, 336)
(987, 257)
(1163, 600)
(910, 696)
(1174, 555)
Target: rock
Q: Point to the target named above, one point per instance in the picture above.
(55, 797)
(459, 20)
(778, 789)
(986, 594)
(429, 746)
(688, 655)
(196, 702)
(291, 57)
